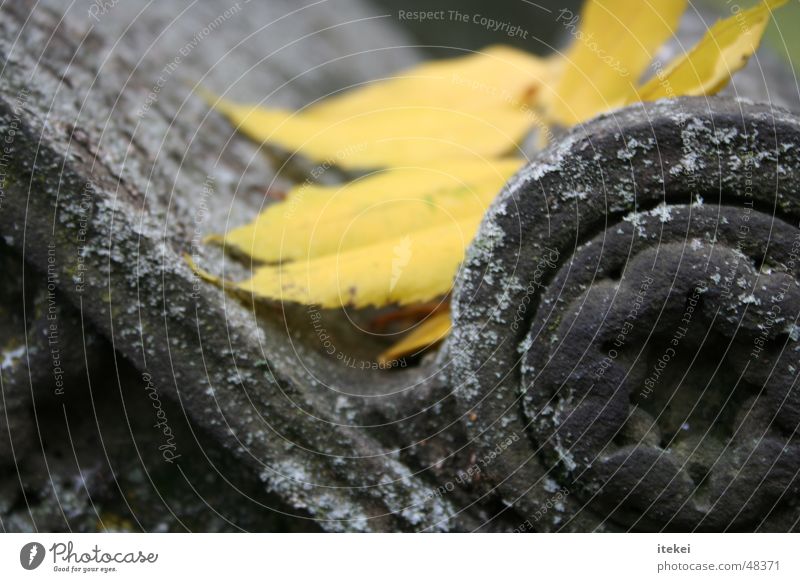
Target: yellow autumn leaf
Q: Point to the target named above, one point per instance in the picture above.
(613, 43)
(416, 267)
(724, 49)
(315, 221)
(432, 330)
(450, 109)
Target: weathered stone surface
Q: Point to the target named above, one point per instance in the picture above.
(115, 169)
(576, 291)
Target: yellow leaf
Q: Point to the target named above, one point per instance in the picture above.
(707, 68)
(315, 221)
(455, 108)
(427, 333)
(416, 267)
(613, 42)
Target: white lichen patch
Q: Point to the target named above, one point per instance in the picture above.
(663, 212)
(749, 299)
(12, 356)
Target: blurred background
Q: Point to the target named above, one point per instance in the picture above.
(544, 36)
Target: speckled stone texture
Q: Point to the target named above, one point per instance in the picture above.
(108, 182)
(630, 307)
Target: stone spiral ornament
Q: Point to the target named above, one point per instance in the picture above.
(626, 343)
